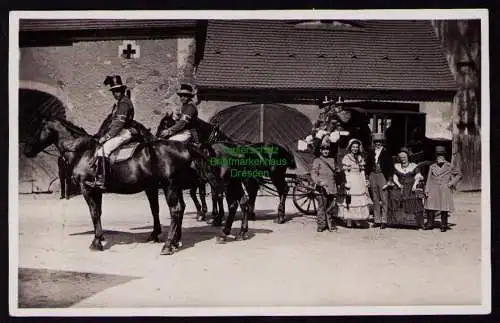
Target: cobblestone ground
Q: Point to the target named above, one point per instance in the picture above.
(289, 264)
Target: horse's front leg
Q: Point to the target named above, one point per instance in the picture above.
(252, 189)
(232, 203)
(282, 188)
(152, 194)
(244, 204)
(178, 234)
(203, 197)
(62, 177)
(172, 196)
(94, 201)
(217, 209)
(200, 216)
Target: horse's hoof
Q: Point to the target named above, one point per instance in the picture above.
(96, 246)
(242, 236)
(214, 222)
(221, 239)
(153, 237)
(279, 220)
(200, 217)
(177, 245)
(166, 250)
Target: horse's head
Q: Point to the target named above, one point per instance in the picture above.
(43, 137)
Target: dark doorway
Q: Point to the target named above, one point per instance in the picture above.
(39, 174)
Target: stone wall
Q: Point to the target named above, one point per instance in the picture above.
(79, 71)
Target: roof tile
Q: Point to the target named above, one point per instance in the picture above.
(385, 55)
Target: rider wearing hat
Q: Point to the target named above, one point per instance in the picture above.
(184, 128)
(116, 128)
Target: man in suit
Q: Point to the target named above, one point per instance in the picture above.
(379, 170)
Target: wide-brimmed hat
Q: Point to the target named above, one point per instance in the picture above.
(378, 137)
(440, 150)
(114, 82)
(186, 89)
(326, 101)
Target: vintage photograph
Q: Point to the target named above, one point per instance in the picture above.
(184, 163)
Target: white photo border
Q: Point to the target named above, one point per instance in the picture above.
(396, 14)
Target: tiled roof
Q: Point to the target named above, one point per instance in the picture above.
(98, 24)
(377, 55)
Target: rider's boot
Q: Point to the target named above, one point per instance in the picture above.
(102, 167)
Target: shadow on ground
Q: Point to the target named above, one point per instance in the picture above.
(190, 236)
(43, 288)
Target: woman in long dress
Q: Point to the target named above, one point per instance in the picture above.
(406, 206)
(354, 208)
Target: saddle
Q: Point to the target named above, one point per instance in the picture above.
(124, 152)
(140, 134)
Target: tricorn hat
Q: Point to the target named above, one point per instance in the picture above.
(378, 137)
(114, 82)
(440, 150)
(186, 89)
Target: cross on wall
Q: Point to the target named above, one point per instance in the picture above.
(129, 50)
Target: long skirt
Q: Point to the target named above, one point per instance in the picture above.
(357, 209)
(405, 208)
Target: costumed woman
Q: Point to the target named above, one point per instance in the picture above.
(405, 201)
(354, 208)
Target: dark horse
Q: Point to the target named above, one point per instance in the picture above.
(273, 160)
(153, 164)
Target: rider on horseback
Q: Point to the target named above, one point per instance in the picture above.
(185, 119)
(115, 130)
(182, 125)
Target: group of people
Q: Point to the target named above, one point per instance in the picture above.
(120, 127)
(351, 181)
(348, 180)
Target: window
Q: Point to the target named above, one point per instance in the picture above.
(326, 24)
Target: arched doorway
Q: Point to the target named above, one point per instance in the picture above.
(267, 122)
(40, 173)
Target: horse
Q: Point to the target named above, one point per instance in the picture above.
(151, 165)
(223, 146)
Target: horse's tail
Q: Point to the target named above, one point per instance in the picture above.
(290, 158)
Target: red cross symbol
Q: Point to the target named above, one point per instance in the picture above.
(129, 49)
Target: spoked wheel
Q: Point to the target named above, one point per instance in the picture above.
(305, 199)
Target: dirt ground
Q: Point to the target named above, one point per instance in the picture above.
(280, 265)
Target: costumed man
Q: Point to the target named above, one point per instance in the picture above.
(184, 128)
(115, 130)
(323, 174)
(181, 125)
(442, 180)
(379, 171)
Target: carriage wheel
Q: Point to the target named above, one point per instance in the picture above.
(305, 200)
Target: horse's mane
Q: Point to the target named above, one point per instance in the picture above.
(71, 126)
